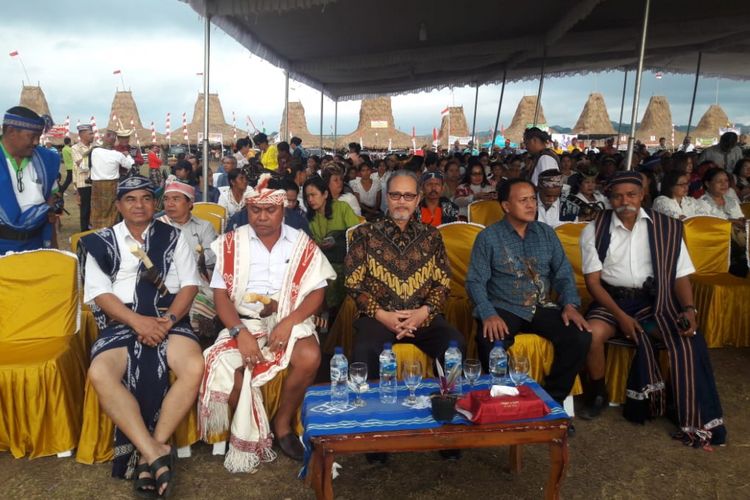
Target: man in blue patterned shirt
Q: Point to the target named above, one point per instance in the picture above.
(514, 264)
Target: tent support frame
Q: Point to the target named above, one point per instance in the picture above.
(622, 108)
(541, 88)
(206, 74)
(637, 92)
(499, 107)
(474, 119)
(695, 91)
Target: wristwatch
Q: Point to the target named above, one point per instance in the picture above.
(690, 308)
(235, 330)
(172, 318)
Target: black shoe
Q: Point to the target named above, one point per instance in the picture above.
(291, 446)
(377, 458)
(595, 408)
(450, 454)
(571, 430)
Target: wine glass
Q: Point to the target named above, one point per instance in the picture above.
(412, 375)
(519, 368)
(472, 371)
(358, 376)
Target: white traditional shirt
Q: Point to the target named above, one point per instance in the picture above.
(688, 207)
(32, 193)
(226, 200)
(183, 271)
(267, 269)
(730, 210)
(106, 163)
(551, 215)
(628, 261)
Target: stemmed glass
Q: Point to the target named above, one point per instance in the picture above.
(472, 371)
(519, 368)
(358, 376)
(412, 375)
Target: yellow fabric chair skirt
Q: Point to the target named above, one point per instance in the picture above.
(541, 354)
(409, 352)
(340, 333)
(458, 312)
(41, 394)
(617, 367)
(722, 301)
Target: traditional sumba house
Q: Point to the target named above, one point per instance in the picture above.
(216, 123)
(712, 120)
(124, 115)
(594, 118)
(454, 123)
(656, 122)
(377, 127)
(297, 125)
(524, 116)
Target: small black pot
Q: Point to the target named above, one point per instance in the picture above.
(443, 407)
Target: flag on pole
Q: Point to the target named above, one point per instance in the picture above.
(117, 72)
(95, 130)
(153, 133)
(184, 129)
(169, 129)
(659, 75)
(390, 144)
(67, 126)
(14, 53)
(234, 126)
(445, 112)
(414, 138)
(135, 131)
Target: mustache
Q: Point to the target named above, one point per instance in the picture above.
(625, 208)
(433, 191)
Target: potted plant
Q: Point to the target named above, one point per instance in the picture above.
(444, 402)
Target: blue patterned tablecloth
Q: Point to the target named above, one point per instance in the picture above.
(320, 418)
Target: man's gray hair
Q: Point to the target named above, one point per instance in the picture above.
(403, 173)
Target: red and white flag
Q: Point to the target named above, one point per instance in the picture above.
(117, 72)
(184, 128)
(234, 126)
(659, 75)
(445, 112)
(169, 128)
(94, 129)
(67, 126)
(135, 131)
(153, 133)
(14, 53)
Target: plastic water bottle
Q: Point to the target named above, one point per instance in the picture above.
(339, 378)
(453, 358)
(498, 363)
(388, 375)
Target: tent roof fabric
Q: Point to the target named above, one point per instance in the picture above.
(320, 42)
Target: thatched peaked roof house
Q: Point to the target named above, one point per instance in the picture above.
(524, 116)
(656, 122)
(33, 97)
(298, 125)
(376, 126)
(712, 120)
(216, 123)
(455, 121)
(594, 118)
(124, 109)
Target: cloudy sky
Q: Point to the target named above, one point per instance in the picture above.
(72, 47)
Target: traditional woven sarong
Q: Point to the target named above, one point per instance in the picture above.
(103, 197)
(696, 399)
(147, 374)
(250, 435)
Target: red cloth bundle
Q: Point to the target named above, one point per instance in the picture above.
(488, 410)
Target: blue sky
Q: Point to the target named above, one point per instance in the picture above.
(72, 48)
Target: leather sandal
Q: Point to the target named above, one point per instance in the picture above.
(145, 487)
(291, 447)
(168, 476)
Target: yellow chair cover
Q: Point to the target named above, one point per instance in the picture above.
(42, 360)
(541, 354)
(76, 237)
(485, 212)
(720, 297)
(209, 211)
(409, 352)
(570, 236)
(216, 221)
(618, 362)
(458, 238)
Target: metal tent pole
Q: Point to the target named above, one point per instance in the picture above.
(474, 120)
(321, 122)
(206, 70)
(286, 105)
(622, 108)
(499, 107)
(335, 122)
(695, 90)
(637, 93)
(541, 87)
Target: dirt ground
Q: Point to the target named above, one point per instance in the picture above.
(609, 458)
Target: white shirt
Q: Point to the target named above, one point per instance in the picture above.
(183, 271)
(551, 215)
(368, 198)
(688, 207)
(226, 200)
(628, 261)
(32, 193)
(350, 199)
(598, 197)
(106, 163)
(545, 162)
(267, 269)
(730, 210)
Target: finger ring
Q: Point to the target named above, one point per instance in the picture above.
(281, 343)
(248, 360)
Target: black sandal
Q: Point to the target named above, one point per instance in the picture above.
(145, 487)
(168, 462)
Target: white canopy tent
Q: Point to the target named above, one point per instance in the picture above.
(349, 49)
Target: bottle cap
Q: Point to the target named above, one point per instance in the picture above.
(387, 346)
(498, 343)
(338, 350)
(453, 343)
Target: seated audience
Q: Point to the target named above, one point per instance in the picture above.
(674, 200)
(233, 199)
(475, 187)
(435, 209)
(367, 191)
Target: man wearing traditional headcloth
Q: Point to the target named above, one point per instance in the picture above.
(554, 207)
(637, 269)
(178, 201)
(140, 278)
(28, 175)
(105, 165)
(268, 282)
(81, 171)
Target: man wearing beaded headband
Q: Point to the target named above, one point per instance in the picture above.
(637, 269)
(140, 279)
(268, 282)
(27, 183)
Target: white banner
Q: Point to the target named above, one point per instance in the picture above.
(464, 140)
(213, 138)
(379, 124)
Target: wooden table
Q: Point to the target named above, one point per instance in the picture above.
(552, 432)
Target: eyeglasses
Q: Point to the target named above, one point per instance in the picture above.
(19, 180)
(395, 196)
